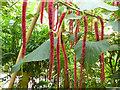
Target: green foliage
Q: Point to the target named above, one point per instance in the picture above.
(92, 4)
(39, 54)
(93, 51)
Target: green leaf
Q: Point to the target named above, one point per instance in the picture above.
(73, 16)
(93, 51)
(92, 4)
(114, 47)
(39, 54)
(115, 25)
(29, 16)
(72, 37)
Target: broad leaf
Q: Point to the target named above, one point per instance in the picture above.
(92, 4)
(73, 16)
(93, 51)
(114, 47)
(39, 54)
(115, 25)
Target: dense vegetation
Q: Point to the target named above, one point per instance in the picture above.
(74, 44)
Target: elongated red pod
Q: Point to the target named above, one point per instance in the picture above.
(57, 19)
(96, 31)
(78, 14)
(65, 55)
(91, 24)
(102, 59)
(42, 10)
(51, 59)
(83, 49)
(58, 59)
(50, 13)
(61, 19)
(71, 28)
(117, 3)
(24, 9)
(75, 72)
(113, 2)
(53, 18)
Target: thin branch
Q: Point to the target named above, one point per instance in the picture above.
(14, 3)
(78, 10)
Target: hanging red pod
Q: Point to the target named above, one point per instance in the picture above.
(83, 49)
(24, 9)
(65, 56)
(42, 10)
(58, 58)
(71, 28)
(102, 55)
(57, 19)
(60, 21)
(96, 31)
(51, 59)
(75, 66)
(50, 13)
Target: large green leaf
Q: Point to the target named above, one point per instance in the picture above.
(39, 54)
(114, 47)
(115, 25)
(93, 51)
(92, 4)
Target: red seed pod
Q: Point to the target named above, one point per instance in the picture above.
(113, 2)
(65, 55)
(102, 59)
(51, 59)
(24, 9)
(71, 28)
(83, 49)
(58, 58)
(75, 72)
(102, 27)
(42, 10)
(50, 13)
(61, 19)
(91, 24)
(53, 18)
(57, 19)
(96, 31)
(117, 3)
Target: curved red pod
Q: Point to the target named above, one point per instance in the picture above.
(24, 9)
(83, 49)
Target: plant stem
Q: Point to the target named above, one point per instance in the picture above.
(27, 39)
(63, 3)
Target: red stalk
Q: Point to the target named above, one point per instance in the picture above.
(58, 58)
(61, 19)
(24, 9)
(70, 28)
(65, 55)
(42, 10)
(96, 31)
(83, 49)
(102, 56)
(50, 13)
(51, 59)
